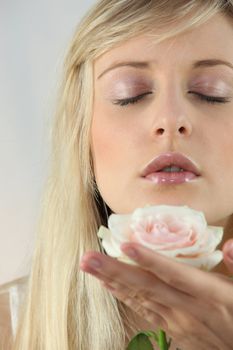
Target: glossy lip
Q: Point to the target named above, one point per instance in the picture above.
(170, 158)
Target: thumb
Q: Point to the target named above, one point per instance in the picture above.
(228, 254)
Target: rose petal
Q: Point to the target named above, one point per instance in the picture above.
(174, 231)
(118, 224)
(111, 247)
(205, 262)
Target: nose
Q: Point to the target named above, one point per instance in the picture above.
(181, 128)
(172, 118)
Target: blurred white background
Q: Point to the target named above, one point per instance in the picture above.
(34, 36)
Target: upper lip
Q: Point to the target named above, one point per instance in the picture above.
(168, 159)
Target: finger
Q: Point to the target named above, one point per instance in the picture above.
(181, 326)
(151, 288)
(118, 271)
(143, 282)
(185, 278)
(228, 255)
(152, 314)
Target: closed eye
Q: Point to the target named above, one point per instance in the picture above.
(131, 100)
(210, 99)
(204, 98)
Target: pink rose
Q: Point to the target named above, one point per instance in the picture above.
(175, 231)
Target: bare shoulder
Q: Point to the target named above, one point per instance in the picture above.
(11, 298)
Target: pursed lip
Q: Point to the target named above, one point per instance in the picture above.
(168, 159)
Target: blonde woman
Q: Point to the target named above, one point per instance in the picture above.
(143, 79)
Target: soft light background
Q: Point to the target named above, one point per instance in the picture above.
(33, 40)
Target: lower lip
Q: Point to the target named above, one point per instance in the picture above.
(171, 178)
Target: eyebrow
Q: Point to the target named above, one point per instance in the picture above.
(212, 63)
(134, 64)
(146, 65)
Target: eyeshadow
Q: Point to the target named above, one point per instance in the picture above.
(128, 85)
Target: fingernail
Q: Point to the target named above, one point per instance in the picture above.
(94, 263)
(131, 252)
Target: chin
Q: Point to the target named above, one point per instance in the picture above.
(168, 200)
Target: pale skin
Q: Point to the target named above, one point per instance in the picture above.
(193, 306)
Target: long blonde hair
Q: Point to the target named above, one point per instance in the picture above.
(65, 308)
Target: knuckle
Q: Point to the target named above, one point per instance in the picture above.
(138, 308)
(145, 294)
(128, 300)
(149, 315)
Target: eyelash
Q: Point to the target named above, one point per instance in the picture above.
(131, 100)
(205, 98)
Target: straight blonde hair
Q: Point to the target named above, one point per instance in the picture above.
(66, 309)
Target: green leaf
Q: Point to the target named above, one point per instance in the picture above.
(140, 342)
(151, 334)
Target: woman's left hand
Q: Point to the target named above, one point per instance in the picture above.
(194, 307)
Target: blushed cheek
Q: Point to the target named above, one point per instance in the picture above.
(103, 146)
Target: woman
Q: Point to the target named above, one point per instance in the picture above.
(142, 79)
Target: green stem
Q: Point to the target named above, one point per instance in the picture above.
(163, 344)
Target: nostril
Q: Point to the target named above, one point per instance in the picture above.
(160, 131)
(182, 130)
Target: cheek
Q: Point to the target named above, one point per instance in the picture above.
(116, 137)
(220, 175)
(223, 148)
(109, 145)
(106, 142)
(117, 148)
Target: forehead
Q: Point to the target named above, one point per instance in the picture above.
(211, 39)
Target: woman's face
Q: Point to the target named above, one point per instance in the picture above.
(160, 99)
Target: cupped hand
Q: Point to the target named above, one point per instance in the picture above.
(194, 307)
